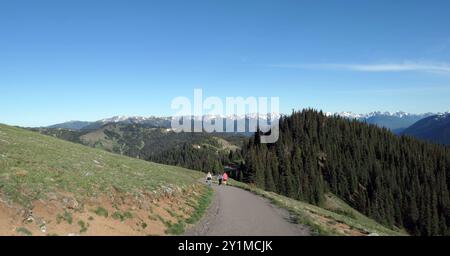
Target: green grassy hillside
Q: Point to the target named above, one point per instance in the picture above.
(37, 168)
(199, 151)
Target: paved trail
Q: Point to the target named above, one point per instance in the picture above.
(236, 212)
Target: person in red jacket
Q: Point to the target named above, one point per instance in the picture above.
(225, 178)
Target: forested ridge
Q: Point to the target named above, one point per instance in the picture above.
(197, 151)
(398, 181)
(202, 158)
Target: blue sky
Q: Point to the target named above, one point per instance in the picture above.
(80, 60)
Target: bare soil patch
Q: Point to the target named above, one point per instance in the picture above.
(113, 214)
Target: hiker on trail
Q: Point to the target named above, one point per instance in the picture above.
(209, 178)
(220, 178)
(225, 178)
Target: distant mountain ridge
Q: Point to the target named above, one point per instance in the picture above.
(397, 122)
(72, 125)
(394, 121)
(435, 129)
(399, 114)
(154, 121)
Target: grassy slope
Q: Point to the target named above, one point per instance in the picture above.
(38, 170)
(32, 164)
(99, 139)
(335, 218)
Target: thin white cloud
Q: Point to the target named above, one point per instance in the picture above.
(382, 67)
(401, 91)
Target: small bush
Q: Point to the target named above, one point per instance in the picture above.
(24, 231)
(83, 227)
(100, 211)
(127, 215)
(122, 216)
(66, 216)
(175, 229)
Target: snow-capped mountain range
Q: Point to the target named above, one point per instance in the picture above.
(132, 119)
(156, 121)
(442, 115)
(398, 114)
(395, 121)
(434, 128)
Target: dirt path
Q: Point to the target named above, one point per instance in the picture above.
(236, 212)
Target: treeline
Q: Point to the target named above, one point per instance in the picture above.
(145, 143)
(198, 151)
(64, 134)
(398, 181)
(196, 157)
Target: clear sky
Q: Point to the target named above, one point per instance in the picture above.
(86, 60)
